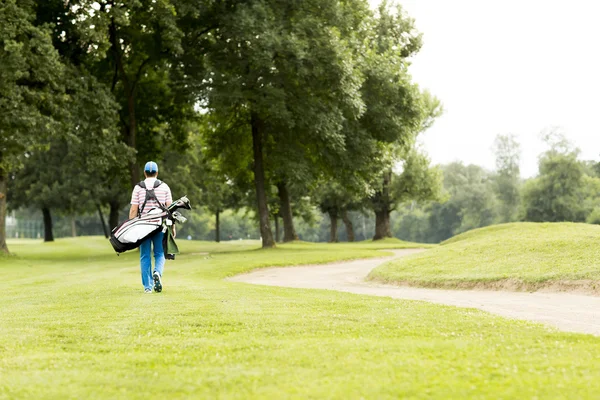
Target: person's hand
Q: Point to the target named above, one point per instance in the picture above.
(174, 231)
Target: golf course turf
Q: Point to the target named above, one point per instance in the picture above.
(519, 256)
(75, 323)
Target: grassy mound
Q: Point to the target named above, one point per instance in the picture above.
(75, 324)
(509, 256)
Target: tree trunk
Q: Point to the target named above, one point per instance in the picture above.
(276, 228)
(259, 180)
(130, 89)
(349, 226)
(132, 131)
(113, 216)
(289, 232)
(73, 227)
(217, 227)
(3, 187)
(382, 205)
(333, 236)
(104, 227)
(48, 235)
(382, 225)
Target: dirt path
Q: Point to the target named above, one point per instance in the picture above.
(568, 312)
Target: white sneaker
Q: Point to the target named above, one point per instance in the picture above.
(147, 290)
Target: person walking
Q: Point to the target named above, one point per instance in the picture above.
(148, 194)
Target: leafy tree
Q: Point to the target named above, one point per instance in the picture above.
(559, 192)
(417, 182)
(338, 196)
(468, 202)
(66, 175)
(218, 195)
(592, 197)
(30, 90)
(204, 178)
(507, 152)
(411, 223)
(285, 209)
(292, 84)
(138, 44)
(134, 47)
(396, 111)
(472, 194)
(332, 199)
(291, 202)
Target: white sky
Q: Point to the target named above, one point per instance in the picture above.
(511, 66)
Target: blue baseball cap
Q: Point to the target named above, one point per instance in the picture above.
(151, 167)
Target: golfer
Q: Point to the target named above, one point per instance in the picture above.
(147, 195)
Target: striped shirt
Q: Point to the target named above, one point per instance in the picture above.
(163, 194)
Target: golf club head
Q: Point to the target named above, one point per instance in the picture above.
(177, 216)
(183, 202)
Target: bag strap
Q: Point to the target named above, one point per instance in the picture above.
(149, 194)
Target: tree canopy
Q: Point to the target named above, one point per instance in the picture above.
(271, 108)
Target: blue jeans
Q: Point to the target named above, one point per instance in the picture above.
(146, 259)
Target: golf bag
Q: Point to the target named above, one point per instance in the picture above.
(130, 234)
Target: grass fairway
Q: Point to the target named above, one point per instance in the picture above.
(75, 324)
(521, 256)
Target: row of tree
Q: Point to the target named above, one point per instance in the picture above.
(265, 104)
(567, 188)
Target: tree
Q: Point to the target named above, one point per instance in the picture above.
(507, 152)
(468, 202)
(289, 232)
(293, 83)
(30, 90)
(218, 193)
(66, 174)
(472, 195)
(134, 47)
(204, 177)
(396, 110)
(559, 192)
(418, 181)
(332, 199)
(138, 45)
(411, 223)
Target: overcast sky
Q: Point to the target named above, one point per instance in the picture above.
(510, 66)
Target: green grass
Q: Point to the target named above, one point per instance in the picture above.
(526, 255)
(74, 324)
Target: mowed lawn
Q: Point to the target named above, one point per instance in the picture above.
(75, 324)
(530, 254)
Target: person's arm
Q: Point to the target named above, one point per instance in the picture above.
(169, 196)
(133, 211)
(135, 204)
